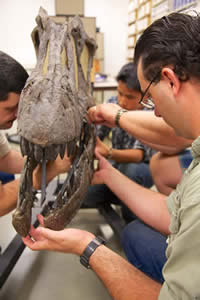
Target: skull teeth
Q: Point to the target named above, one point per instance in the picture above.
(71, 147)
(36, 151)
(62, 150)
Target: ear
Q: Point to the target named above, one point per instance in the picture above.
(174, 82)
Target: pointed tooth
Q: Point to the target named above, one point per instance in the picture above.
(62, 150)
(74, 147)
(38, 153)
(26, 146)
(31, 149)
(48, 153)
(51, 152)
(71, 148)
(22, 146)
(56, 150)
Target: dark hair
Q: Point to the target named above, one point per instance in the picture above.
(172, 40)
(12, 76)
(128, 74)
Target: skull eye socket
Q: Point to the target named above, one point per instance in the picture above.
(75, 64)
(85, 61)
(46, 61)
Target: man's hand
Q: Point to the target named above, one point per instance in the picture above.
(68, 240)
(102, 148)
(104, 114)
(53, 169)
(104, 167)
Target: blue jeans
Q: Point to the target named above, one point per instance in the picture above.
(6, 177)
(185, 159)
(145, 249)
(138, 172)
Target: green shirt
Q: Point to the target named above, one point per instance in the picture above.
(182, 269)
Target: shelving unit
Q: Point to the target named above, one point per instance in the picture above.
(159, 9)
(182, 5)
(139, 17)
(141, 13)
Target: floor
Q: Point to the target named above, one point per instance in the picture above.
(50, 275)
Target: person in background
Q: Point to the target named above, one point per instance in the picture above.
(167, 170)
(128, 155)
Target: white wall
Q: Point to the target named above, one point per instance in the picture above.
(112, 18)
(17, 20)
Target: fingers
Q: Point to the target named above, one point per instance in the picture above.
(31, 239)
(40, 239)
(28, 241)
(98, 155)
(36, 245)
(95, 114)
(43, 232)
(40, 219)
(91, 114)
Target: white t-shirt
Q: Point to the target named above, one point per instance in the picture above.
(4, 145)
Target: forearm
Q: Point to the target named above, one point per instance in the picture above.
(167, 149)
(147, 127)
(148, 205)
(127, 155)
(8, 196)
(12, 162)
(123, 281)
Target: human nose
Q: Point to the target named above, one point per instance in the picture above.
(122, 100)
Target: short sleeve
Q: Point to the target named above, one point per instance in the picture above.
(4, 145)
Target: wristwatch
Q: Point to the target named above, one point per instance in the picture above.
(89, 250)
(120, 112)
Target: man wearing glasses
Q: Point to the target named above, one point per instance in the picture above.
(168, 59)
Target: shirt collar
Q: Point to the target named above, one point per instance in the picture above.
(196, 148)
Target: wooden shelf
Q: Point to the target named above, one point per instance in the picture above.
(145, 14)
(158, 3)
(143, 17)
(131, 23)
(145, 2)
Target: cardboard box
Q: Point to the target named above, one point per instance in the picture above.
(58, 19)
(89, 23)
(68, 7)
(100, 43)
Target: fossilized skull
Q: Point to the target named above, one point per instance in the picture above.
(52, 116)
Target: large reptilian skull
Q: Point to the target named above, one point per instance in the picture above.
(52, 117)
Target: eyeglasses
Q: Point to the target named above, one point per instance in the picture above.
(148, 102)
